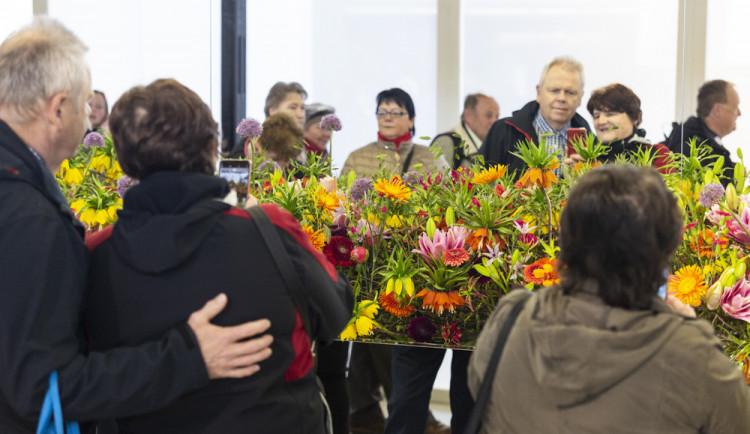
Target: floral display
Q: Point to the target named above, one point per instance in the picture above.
(430, 254)
(89, 181)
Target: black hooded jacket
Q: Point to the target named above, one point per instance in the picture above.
(42, 283)
(175, 245)
(696, 128)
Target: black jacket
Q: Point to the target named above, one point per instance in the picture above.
(42, 281)
(507, 132)
(696, 127)
(177, 244)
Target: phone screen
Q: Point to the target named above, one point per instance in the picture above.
(237, 174)
(574, 135)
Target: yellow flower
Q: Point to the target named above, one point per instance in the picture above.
(102, 216)
(112, 212)
(72, 176)
(350, 332)
(489, 175)
(395, 221)
(88, 216)
(114, 172)
(317, 238)
(328, 202)
(364, 325)
(100, 163)
(77, 205)
(368, 308)
(688, 285)
(393, 188)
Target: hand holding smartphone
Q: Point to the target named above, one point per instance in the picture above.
(574, 136)
(237, 174)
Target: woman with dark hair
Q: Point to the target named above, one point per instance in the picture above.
(395, 114)
(178, 241)
(617, 114)
(602, 351)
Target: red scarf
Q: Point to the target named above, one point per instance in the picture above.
(309, 147)
(398, 140)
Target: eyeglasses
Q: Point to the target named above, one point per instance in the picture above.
(394, 113)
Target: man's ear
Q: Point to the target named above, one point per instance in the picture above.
(54, 110)
(538, 90)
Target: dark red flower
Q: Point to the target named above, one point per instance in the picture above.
(421, 329)
(339, 251)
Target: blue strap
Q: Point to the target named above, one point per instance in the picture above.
(51, 417)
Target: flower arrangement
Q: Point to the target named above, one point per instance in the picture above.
(91, 182)
(430, 254)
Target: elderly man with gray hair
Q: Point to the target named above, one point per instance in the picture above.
(45, 86)
(558, 95)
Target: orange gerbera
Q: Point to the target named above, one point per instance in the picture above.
(542, 272)
(488, 175)
(745, 363)
(390, 302)
(704, 241)
(317, 238)
(455, 257)
(688, 285)
(438, 301)
(540, 177)
(394, 188)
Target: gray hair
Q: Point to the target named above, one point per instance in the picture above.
(37, 62)
(278, 92)
(565, 62)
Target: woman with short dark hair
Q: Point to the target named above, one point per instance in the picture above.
(617, 115)
(179, 241)
(395, 114)
(602, 351)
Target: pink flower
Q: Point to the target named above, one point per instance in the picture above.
(432, 249)
(715, 214)
(739, 231)
(455, 257)
(736, 300)
(526, 236)
(359, 254)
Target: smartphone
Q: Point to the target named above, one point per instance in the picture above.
(575, 135)
(237, 174)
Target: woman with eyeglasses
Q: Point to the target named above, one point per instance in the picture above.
(370, 365)
(395, 114)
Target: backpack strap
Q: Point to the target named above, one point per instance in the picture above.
(284, 264)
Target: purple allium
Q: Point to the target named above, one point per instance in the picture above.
(124, 184)
(411, 178)
(93, 140)
(359, 188)
(249, 127)
(711, 194)
(421, 329)
(268, 164)
(330, 123)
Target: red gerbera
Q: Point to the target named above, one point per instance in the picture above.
(339, 251)
(455, 257)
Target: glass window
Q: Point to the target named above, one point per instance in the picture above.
(136, 42)
(726, 39)
(507, 44)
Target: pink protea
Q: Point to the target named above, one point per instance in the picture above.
(738, 231)
(736, 300)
